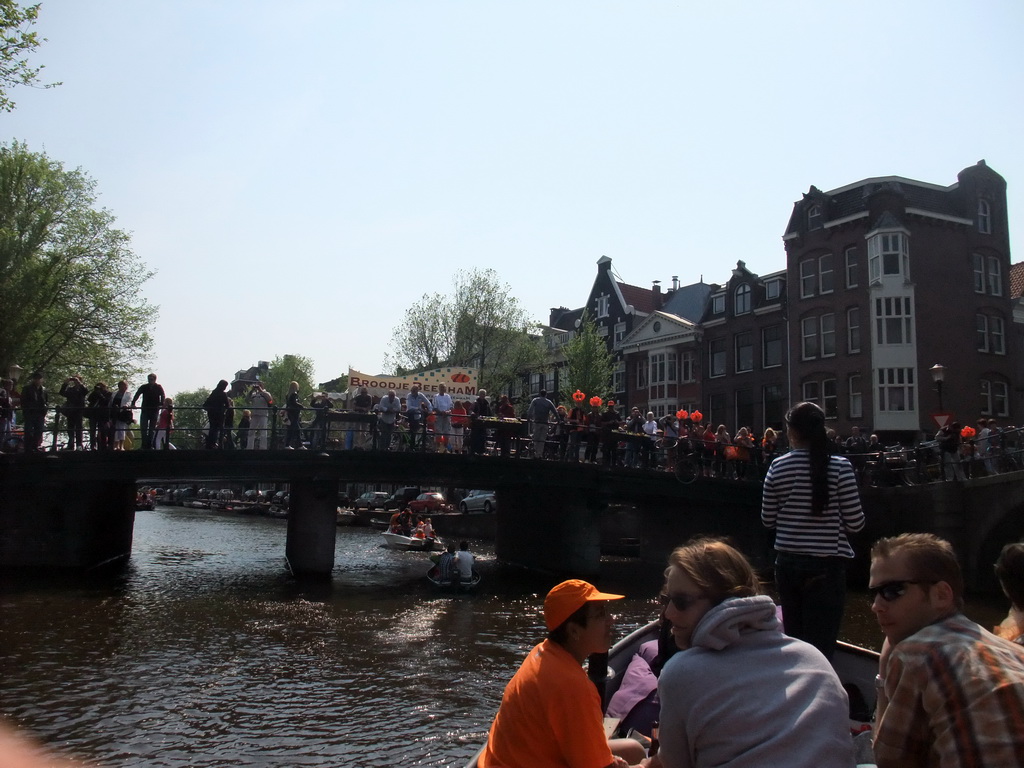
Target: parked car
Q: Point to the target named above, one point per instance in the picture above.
(431, 501)
(370, 500)
(401, 497)
(479, 501)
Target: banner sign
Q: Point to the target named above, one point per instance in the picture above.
(460, 381)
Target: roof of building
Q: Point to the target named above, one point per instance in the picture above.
(641, 299)
(1017, 280)
(688, 301)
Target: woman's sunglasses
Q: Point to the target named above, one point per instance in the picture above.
(893, 590)
(680, 602)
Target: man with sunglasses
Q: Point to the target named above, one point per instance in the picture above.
(950, 692)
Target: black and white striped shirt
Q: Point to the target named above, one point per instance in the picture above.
(786, 506)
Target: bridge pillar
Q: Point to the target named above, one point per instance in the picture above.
(549, 529)
(66, 523)
(312, 525)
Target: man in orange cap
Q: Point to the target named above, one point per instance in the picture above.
(550, 713)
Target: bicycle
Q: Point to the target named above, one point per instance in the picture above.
(686, 466)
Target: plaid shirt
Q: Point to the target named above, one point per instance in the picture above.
(956, 699)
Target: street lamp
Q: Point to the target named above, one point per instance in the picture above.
(938, 372)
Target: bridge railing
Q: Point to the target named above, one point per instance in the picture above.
(93, 429)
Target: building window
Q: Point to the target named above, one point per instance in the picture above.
(807, 278)
(828, 335)
(744, 351)
(826, 282)
(620, 332)
(896, 389)
(811, 392)
(774, 406)
(772, 289)
(814, 218)
(744, 408)
(994, 398)
(686, 367)
(716, 409)
(988, 275)
(829, 399)
(742, 300)
(771, 346)
(984, 217)
(642, 369)
(893, 320)
(716, 353)
(856, 398)
(888, 255)
(852, 266)
(718, 304)
(619, 377)
(602, 306)
(991, 334)
(809, 335)
(602, 331)
(853, 330)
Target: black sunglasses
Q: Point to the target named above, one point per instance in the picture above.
(681, 602)
(893, 590)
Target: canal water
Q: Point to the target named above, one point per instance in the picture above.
(204, 652)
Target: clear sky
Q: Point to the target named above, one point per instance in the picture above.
(299, 173)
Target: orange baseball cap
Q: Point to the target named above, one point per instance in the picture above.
(568, 597)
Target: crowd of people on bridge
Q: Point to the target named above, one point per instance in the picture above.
(590, 431)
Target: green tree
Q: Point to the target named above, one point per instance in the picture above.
(588, 363)
(72, 300)
(283, 371)
(17, 40)
(190, 422)
(480, 325)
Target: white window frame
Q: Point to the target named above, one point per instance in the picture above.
(829, 399)
(686, 366)
(888, 256)
(772, 289)
(894, 313)
(984, 216)
(826, 274)
(991, 334)
(718, 304)
(811, 391)
(896, 390)
(619, 376)
(809, 339)
(814, 218)
(856, 397)
(852, 259)
(978, 263)
(807, 278)
(994, 275)
(853, 339)
(620, 332)
(827, 324)
(602, 305)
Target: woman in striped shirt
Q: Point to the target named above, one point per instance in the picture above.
(811, 500)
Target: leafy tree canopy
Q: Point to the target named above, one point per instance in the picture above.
(17, 40)
(283, 371)
(588, 363)
(72, 301)
(480, 325)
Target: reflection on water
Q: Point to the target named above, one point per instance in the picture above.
(204, 652)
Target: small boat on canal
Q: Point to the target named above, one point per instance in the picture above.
(410, 543)
(855, 666)
(434, 577)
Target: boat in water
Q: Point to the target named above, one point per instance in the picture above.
(460, 585)
(855, 666)
(411, 543)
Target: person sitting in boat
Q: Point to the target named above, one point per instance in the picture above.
(428, 528)
(550, 713)
(741, 693)
(1010, 572)
(395, 524)
(445, 563)
(464, 561)
(405, 522)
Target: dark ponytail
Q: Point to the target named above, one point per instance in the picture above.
(808, 421)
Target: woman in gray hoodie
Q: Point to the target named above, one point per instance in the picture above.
(741, 693)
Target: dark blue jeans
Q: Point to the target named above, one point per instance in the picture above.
(812, 591)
